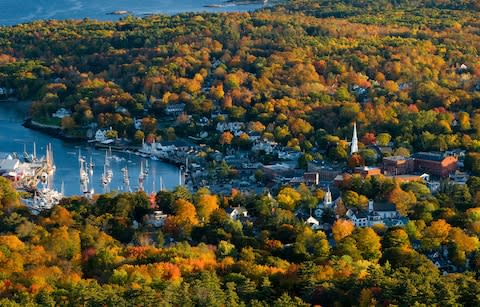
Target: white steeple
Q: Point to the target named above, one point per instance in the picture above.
(327, 199)
(354, 144)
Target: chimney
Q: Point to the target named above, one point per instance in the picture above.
(370, 206)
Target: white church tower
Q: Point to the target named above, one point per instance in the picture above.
(327, 199)
(354, 145)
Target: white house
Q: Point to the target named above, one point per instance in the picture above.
(234, 127)
(378, 213)
(313, 223)
(9, 165)
(100, 135)
(157, 219)
(61, 113)
(264, 145)
(175, 109)
(237, 213)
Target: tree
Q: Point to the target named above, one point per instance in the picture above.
(368, 243)
(402, 200)
(226, 138)
(68, 122)
(139, 137)
(9, 197)
(435, 235)
(288, 198)
(206, 205)
(383, 139)
(395, 237)
(342, 229)
(185, 213)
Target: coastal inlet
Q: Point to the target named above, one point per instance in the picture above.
(14, 138)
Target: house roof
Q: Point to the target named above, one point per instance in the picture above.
(9, 164)
(312, 220)
(384, 206)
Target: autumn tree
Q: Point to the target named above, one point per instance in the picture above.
(206, 205)
(342, 229)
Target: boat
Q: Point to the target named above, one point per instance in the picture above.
(45, 198)
(147, 169)
(141, 178)
(126, 180)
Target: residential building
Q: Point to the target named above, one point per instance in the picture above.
(8, 165)
(61, 113)
(378, 213)
(313, 223)
(237, 213)
(175, 109)
(157, 219)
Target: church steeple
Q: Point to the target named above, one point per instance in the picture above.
(327, 199)
(354, 144)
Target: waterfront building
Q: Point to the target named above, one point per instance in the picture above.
(62, 113)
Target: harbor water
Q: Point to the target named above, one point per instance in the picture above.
(14, 138)
(21, 11)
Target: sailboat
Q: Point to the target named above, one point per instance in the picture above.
(126, 180)
(91, 166)
(141, 178)
(147, 169)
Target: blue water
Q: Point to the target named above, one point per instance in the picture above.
(21, 11)
(13, 136)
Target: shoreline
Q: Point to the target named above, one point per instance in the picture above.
(53, 131)
(57, 132)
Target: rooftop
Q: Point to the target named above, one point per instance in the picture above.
(430, 156)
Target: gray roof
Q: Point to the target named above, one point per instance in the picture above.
(8, 164)
(384, 206)
(430, 156)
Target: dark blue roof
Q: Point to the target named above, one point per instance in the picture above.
(430, 156)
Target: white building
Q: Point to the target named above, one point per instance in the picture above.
(237, 213)
(175, 109)
(100, 135)
(234, 127)
(61, 113)
(264, 145)
(327, 203)
(313, 223)
(378, 213)
(157, 219)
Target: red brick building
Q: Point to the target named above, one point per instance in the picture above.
(435, 163)
(398, 165)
